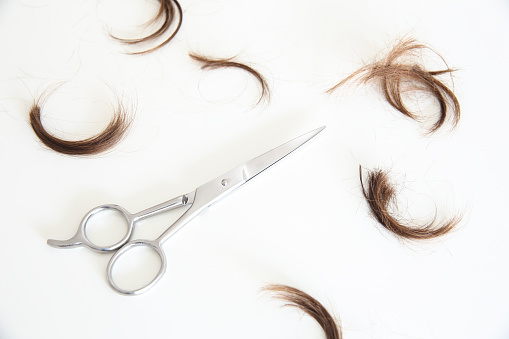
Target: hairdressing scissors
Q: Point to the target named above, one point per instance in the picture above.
(199, 199)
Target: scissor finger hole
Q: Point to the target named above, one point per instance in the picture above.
(106, 227)
(136, 268)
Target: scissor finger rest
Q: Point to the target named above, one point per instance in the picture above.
(153, 245)
(81, 238)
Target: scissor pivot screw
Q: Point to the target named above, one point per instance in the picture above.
(224, 182)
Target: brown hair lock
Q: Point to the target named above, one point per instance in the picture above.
(166, 13)
(100, 143)
(210, 63)
(396, 76)
(380, 194)
(308, 304)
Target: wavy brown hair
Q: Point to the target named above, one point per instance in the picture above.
(169, 11)
(309, 305)
(102, 142)
(217, 63)
(380, 195)
(400, 72)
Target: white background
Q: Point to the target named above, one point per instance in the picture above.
(304, 222)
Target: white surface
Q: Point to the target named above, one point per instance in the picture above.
(303, 222)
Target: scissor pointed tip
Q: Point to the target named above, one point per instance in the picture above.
(318, 130)
(312, 133)
(257, 165)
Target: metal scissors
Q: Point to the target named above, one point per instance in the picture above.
(199, 199)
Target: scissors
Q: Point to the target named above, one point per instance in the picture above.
(199, 199)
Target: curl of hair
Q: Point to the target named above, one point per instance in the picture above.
(309, 305)
(167, 14)
(397, 73)
(211, 63)
(104, 141)
(380, 195)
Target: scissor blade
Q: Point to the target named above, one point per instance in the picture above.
(212, 191)
(259, 164)
(215, 189)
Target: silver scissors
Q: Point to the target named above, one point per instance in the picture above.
(199, 199)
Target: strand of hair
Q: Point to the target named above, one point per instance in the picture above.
(167, 14)
(102, 142)
(390, 73)
(309, 305)
(380, 194)
(211, 63)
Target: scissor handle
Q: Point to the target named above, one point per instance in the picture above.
(81, 238)
(154, 245)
